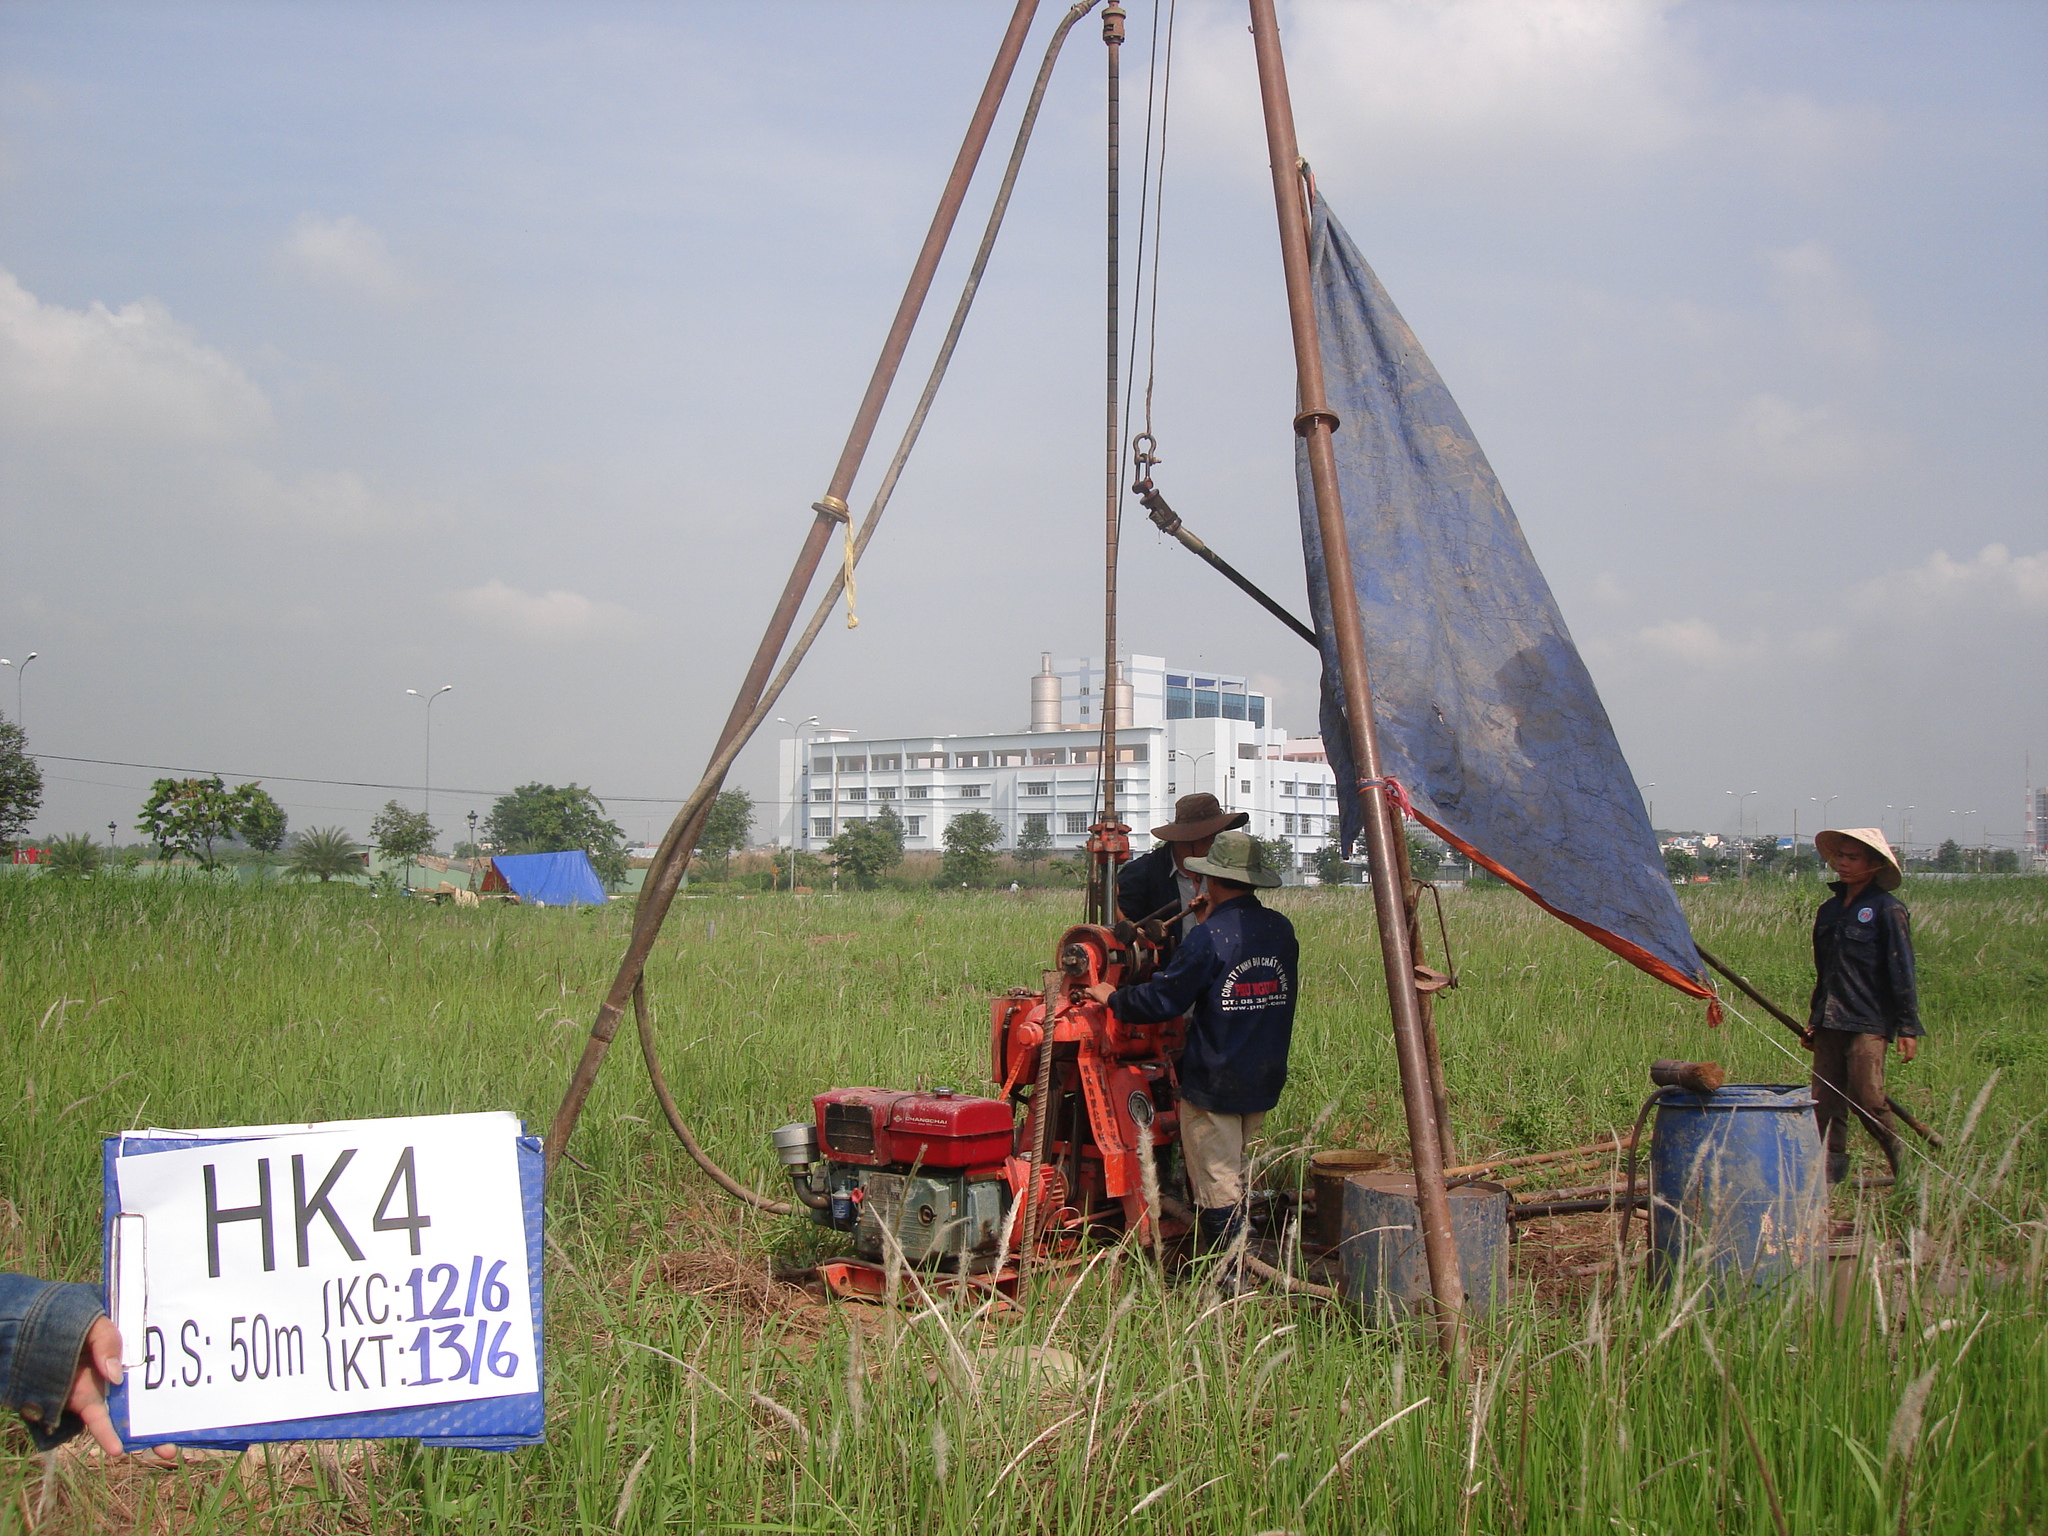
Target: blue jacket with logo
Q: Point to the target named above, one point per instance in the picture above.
(1863, 965)
(1235, 975)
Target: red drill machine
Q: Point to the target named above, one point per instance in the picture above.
(967, 1184)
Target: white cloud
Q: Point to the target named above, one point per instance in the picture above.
(100, 376)
(1825, 311)
(556, 615)
(1773, 438)
(344, 254)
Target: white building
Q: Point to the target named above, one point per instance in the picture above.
(1179, 731)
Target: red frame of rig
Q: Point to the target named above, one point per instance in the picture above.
(1110, 1087)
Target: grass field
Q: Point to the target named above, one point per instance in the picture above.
(689, 1393)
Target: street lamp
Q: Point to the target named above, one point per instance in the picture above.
(113, 830)
(427, 790)
(799, 808)
(1964, 840)
(1650, 808)
(1741, 848)
(472, 850)
(20, 667)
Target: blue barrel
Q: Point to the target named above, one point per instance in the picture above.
(1385, 1268)
(1736, 1184)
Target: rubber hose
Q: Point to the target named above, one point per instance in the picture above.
(1634, 1141)
(718, 1175)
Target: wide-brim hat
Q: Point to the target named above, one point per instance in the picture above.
(1872, 838)
(1196, 817)
(1235, 856)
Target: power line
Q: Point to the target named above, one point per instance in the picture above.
(286, 778)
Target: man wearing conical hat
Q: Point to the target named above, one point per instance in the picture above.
(1864, 996)
(1234, 977)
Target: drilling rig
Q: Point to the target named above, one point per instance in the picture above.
(1086, 1111)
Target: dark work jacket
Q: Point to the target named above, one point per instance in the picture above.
(43, 1324)
(1235, 974)
(1863, 965)
(1146, 884)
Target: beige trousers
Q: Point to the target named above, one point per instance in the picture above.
(1212, 1146)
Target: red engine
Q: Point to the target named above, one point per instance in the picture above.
(874, 1127)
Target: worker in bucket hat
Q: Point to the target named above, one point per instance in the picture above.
(1234, 976)
(1864, 996)
(1154, 883)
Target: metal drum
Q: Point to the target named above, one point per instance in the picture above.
(1736, 1184)
(1385, 1269)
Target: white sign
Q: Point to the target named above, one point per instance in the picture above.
(380, 1265)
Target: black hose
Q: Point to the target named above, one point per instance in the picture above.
(1634, 1140)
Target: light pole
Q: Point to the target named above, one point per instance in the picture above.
(1964, 827)
(1650, 808)
(113, 830)
(1741, 848)
(427, 790)
(472, 850)
(20, 667)
(799, 807)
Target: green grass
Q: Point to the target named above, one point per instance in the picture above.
(131, 1003)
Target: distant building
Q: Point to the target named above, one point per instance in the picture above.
(1179, 730)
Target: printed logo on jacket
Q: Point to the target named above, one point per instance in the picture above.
(1257, 982)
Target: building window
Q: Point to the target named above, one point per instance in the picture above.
(1085, 755)
(1084, 707)
(852, 821)
(821, 826)
(1208, 704)
(853, 794)
(971, 791)
(1248, 750)
(1084, 690)
(1257, 712)
(1233, 706)
(1036, 789)
(1132, 754)
(920, 791)
(970, 759)
(927, 759)
(1008, 759)
(853, 765)
(1073, 823)
(1287, 789)
(885, 794)
(1048, 757)
(1180, 699)
(822, 765)
(1038, 825)
(890, 764)
(1175, 682)
(913, 826)
(1287, 825)
(822, 796)
(1244, 786)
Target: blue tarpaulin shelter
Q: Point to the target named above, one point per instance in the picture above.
(547, 879)
(1487, 717)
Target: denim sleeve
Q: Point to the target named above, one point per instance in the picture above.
(43, 1324)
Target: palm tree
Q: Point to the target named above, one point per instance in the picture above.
(326, 852)
(69, 858)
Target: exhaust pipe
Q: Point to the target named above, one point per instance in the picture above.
(796, 1145)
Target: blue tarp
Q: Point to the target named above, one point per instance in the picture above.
(1487, 717)
(550, 879)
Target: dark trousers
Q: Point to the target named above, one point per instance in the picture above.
(1848, 1083)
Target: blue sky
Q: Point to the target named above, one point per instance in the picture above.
(346, 349)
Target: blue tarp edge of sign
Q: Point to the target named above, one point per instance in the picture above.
(552, 879)
(493, 1424)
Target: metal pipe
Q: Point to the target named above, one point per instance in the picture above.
(1100, 902)
(674, 856)
(1315, 422)
(1168, 521)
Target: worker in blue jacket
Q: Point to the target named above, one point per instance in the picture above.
(1865, 997)
(59, 1356)
(1235, 977)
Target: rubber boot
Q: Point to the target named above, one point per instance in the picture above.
(1217, 1229)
